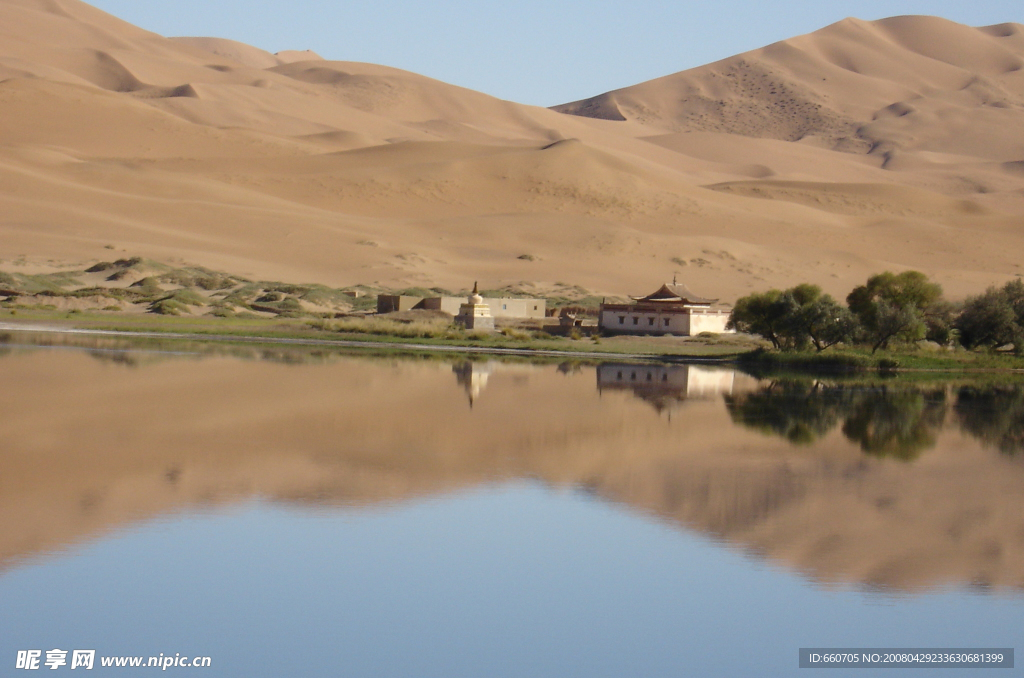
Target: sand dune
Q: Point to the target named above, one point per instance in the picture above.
(866, 145)
(250, 56)
(849, 86)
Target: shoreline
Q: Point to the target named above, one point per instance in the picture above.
(404, 346)
(779, 365)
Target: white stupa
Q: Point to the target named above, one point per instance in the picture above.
(475, 314)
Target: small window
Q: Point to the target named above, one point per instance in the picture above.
(664, 377)
(619, 377)
(650, 321)
(632, 376)
(648, 376)
(666, 322)
(534, 308)
(622, 320)
(504, 307)
(636, 321)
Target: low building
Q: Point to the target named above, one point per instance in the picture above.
(500, 307)
(392, 303)
(672, 309)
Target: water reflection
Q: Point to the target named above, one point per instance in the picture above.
(665, 387)
(994, 415)
(473, 376)
(885, 420)
(151, 350)
(777, 469)
(899, 424)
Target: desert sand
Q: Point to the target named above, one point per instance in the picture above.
(862, 147)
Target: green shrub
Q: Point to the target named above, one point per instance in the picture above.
(188, 297)
(775, 360)
(168, 307)
(383, 326)
(148, 286)
(322, 324)
(517, 335)
(100, 267)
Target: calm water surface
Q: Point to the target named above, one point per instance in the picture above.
(293, 513)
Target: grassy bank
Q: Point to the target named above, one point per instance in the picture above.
(855, 360)
(382, 330)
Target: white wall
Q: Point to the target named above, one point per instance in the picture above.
(711, 322)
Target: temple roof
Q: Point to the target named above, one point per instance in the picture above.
(675, 293)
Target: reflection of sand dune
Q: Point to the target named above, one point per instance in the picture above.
(90, 446)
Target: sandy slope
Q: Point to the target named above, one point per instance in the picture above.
(864, 146)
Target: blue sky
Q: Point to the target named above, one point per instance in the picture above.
(533, 52)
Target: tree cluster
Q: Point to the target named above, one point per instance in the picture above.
(890, 308)
(995, 318)
(794, 319)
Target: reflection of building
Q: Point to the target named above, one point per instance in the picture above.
(672, 309)
(473, 377)
(665, 385)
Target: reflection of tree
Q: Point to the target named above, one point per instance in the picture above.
(994, 415)
(800, 412)
(885, 421)
(899, 423)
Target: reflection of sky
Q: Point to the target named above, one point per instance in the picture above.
(507, 581)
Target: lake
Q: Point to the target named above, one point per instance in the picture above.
(291, 512)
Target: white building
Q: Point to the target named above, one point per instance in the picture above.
(672, 309)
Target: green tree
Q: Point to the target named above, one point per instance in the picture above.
(894, 307)
(766, 314)
(987, 320)
(939, 320)
(826, 322)
(995, 318)
(794, 319)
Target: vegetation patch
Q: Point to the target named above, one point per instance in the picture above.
(901, 313)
